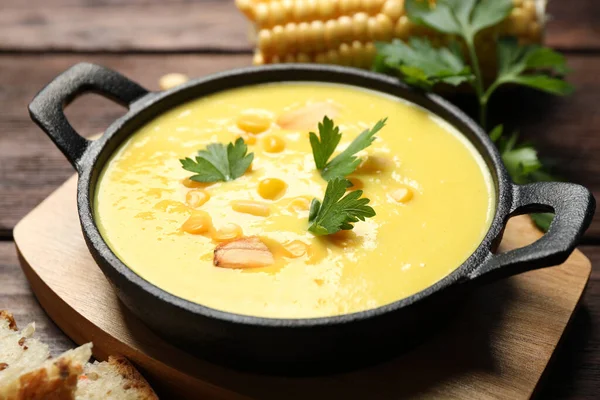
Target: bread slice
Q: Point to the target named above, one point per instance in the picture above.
(28, 373)
(115, 379)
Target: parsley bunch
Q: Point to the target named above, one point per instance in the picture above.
(421, 64)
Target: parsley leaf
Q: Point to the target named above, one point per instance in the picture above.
(516, 64)
(330, 137)
(219, 162)
(420, 64)
(335, 212)
(458, 17)
(523, 166)
(325, 144)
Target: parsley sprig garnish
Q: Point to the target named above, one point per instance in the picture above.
(335, 212)
(421, 64)
(325, 144)
(219, 162)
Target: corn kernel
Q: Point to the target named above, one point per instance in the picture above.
(295, 249)
(258, 59)
(279, 39)
(254, 121)
(332, 36)
(393, 9)
(265, 40)
(332, 56)
(385, 28)
(288, 9)
(198, 222)
(517, 22)
(529, 9)
(261, 14)
(289, 58)
(402, 195)
(357, 54)
(227, 232)
(303, 36)
(321, 58)
(271, 188)
(273, 144)
(188, 183)
(535, 31)
(344, 28)
(245, 6)
(345, 53)
(402, 28)
(326, 9)
(317, 35)
(349, 7)
(311, 8)
(300, 11)
(196, 198)
(248, 139)
(299, 204)
(251, 207)
(303, 58)
(169, 81)
(359, 26)
(373, 164)
(371, 6)
(275, 59)
(290, 33)
(276, 13)
(370, 53)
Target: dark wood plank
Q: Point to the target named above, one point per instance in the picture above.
(105, 25)
(30, 166)
(574, 373)
(574, 25)
(17, 297)
(565, 129)
(198, 25)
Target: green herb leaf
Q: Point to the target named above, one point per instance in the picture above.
(543, 220)
(458, 17)
(531, 66)
(346, 162)
(420, 64)
(488, 13)
(338, 212)
(329, 136)
(219, 162)
(523, 166)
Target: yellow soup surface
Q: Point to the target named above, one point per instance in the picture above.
(431, 190)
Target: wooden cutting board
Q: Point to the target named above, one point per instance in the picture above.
(497, 346)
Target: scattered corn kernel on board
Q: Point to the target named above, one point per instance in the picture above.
(344, 32)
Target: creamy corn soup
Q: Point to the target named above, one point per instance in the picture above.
(430, 189)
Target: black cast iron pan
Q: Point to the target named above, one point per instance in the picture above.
(311, 344)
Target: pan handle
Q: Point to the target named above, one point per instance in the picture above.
(574, 208)
(47, 107)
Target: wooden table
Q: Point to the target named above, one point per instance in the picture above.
(145, 39)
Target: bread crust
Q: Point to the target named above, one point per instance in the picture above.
(132, 377)
(12, 325)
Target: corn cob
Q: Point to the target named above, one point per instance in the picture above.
(344, 31)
